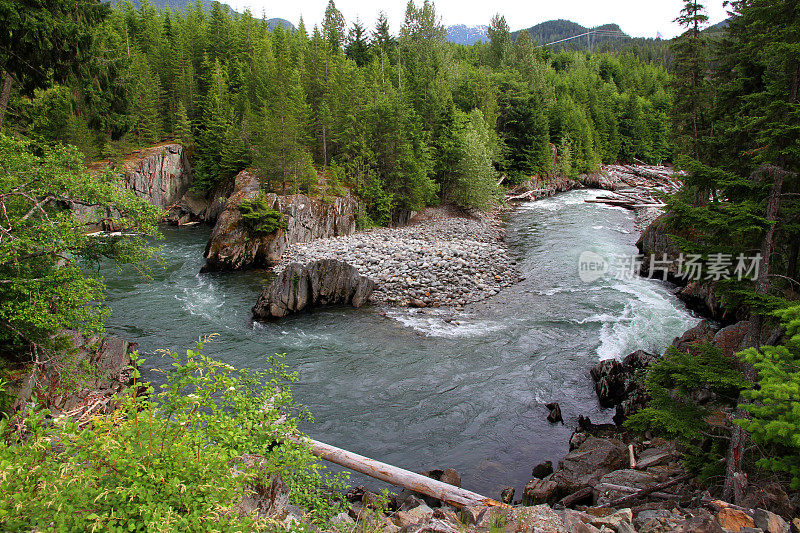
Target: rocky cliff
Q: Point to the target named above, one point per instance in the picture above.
(232, 246)
(161, 174)
(698, 294)
(320, 283)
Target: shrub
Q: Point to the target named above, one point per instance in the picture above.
(162, 461)
(775, 407)
(260, 218)
(673, 412)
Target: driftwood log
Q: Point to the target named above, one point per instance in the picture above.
(398, 476)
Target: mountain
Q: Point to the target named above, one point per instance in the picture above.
(463, 34)
(177, 5)
(556, 30)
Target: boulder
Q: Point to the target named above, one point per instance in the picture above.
(320, 283)
(609, 487)
(539, 491)
(542, 470)
(770, 522)
(616, 383)
(507, 495)
(233, 246)
(771, 497)
(555, 413)
(585, 466)
(704, 331)
(734, 519)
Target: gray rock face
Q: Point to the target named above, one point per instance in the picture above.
(161, 176)
(232, 247)
(324, 282)
(591, 461)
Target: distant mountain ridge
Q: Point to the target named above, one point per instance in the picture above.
(463, 34)
(556, 30)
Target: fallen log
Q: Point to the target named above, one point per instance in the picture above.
(627, 500)
(397, 476)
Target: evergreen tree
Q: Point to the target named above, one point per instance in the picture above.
(333, 26)
(690, 74)
(357, 47)
(500, 41)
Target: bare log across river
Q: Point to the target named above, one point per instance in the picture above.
(398, 476)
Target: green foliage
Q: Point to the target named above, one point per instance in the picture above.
(45, 288)
(671, 382)
(164, 461)
(260, 218)
(288, 103)
(775, 407)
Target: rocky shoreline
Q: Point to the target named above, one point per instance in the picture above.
(442, 258)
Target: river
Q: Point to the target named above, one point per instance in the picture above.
(427, 389)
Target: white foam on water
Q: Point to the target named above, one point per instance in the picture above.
(433, 324)
(203, 299)
(647, 319)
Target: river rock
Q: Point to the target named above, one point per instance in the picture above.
(321, 283)
(585, 466)
(734, 519)
(555, 413)
(617, 383)
(233, 247)
(538, 491)
(770, 522)
(542, 470)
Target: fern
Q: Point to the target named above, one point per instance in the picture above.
(259, 218)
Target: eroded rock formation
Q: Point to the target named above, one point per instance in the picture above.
(232, 246)
(161, 174)
(320, 283)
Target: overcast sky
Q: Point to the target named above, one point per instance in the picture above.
(639, 18)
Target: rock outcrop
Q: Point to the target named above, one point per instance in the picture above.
(161, 174)
(233, 247)
(618, 384)
(103, 369)
(591, 461)
(698, 294)
(324, 282)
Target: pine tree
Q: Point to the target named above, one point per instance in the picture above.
(690, 66)
(500, 41)
(333, 27)
(357, 47)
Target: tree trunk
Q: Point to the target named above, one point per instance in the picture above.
(734, 479)
(397, 476)
(5, 95)
(794, 251)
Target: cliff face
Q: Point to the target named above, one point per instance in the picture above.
(162, 175)
(233, 247)
(104, 369)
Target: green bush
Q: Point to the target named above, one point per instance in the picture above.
(163, 461)
(673, 412)
(260, 218)
(775, 407)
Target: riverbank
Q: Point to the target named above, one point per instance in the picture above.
(443, 257)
